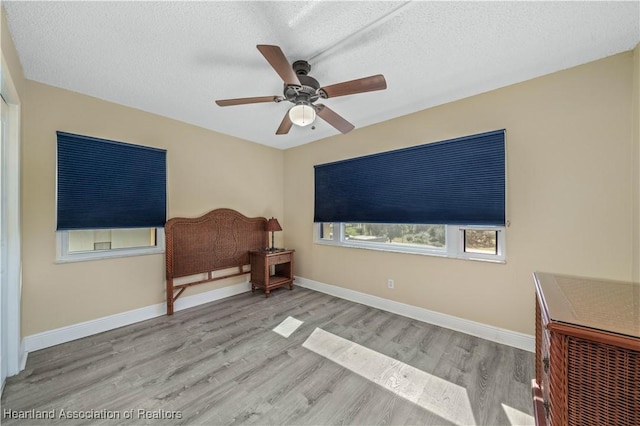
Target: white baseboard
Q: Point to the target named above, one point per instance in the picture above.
(49, 338)
(57, 336)
(484, 331)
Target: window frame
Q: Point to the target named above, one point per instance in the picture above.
(454, 243)
(63, 255)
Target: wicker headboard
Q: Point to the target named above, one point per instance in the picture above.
(220, 239)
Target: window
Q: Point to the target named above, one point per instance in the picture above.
(326, 231)
(79, 245)
(425, 236)
(111, 198)
(455, 241)
(444, 198)
(480, 241)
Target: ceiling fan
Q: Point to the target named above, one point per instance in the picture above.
(302, 90)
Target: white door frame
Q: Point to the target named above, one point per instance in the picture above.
(11, 198)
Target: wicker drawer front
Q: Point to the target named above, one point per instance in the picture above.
(603, 384)
(277, 260)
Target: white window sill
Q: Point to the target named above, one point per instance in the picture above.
(108, 254)
(418, 251)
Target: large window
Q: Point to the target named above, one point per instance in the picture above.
(445, 198)
(424, 236)
(111, 198)
(456, 241)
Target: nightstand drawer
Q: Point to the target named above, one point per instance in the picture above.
(282, 258)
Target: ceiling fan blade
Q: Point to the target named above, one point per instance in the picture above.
(279, 62)
(361, 85)
(243, 101)
(285, 126)
(331, 117)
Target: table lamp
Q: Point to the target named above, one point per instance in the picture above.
(272, 226)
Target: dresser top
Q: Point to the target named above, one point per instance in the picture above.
(611, 306)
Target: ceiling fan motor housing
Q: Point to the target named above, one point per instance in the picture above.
(307, 93)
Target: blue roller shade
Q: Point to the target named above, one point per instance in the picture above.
(459, 182)
(108, 184)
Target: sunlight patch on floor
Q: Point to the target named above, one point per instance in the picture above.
(288, 326)
(517, 417)
(437, 395)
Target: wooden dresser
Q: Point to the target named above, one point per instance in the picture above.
(587, 351)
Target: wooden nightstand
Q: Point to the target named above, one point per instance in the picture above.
(271, 269)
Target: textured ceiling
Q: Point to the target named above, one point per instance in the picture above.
(176, 58)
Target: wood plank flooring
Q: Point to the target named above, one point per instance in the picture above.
(221, 363)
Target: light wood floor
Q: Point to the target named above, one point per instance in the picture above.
(221, 363)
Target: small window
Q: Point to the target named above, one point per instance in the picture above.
(480, 241)
(326, 231)
(108, 239)
(80, 245)
(110, 198)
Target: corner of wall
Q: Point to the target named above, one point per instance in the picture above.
(10, 53)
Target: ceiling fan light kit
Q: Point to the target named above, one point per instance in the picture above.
(302, 115)
(303, 90)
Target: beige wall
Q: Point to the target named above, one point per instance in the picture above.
(206, 170)
(569, 150)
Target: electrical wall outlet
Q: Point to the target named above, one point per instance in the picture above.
(390, 283)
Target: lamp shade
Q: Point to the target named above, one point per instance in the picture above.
(273, 225)
(302, 115)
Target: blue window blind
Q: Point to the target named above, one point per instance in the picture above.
(459, 182)
(107, 184)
